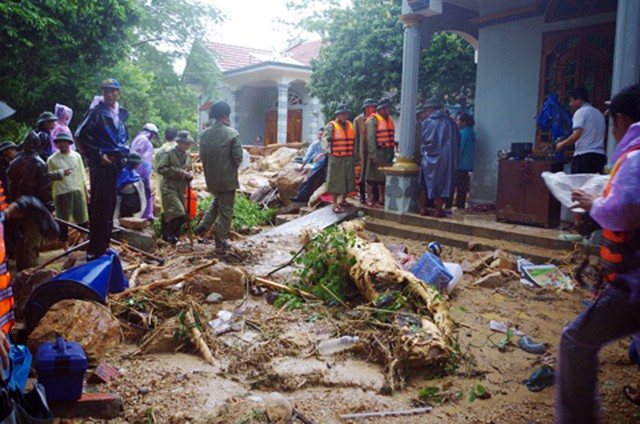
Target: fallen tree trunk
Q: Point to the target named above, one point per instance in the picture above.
(422, 341)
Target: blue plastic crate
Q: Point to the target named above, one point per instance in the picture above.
(432, 271)
(61, 367)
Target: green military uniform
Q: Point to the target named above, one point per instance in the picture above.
(381, 155)
(341, 178)
(221, 155)
(361, 143)
(173, 165)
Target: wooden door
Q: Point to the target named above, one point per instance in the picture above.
(294, 126)
(581, 57)
(270, 128)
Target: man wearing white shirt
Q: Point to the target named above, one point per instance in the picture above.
(587, 135)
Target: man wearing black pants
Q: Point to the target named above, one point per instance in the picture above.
(102, 137)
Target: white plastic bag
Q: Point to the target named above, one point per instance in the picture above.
(246, 160)
(561, 184)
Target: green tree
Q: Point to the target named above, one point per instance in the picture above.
(362, 54)
(50, 47)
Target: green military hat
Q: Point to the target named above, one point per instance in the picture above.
(184, 137)
(45, 117)
(134, 157)
(63, 136)
(6, 145)
(368, 102)
(384, 102)
(342, 109)
(433, 103)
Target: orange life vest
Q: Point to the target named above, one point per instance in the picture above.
(617, 246)
(342, 144)
(385, 131)
(190, 202)
(7, 317)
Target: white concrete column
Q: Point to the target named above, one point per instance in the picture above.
(236, 110)
(409, 85)
(315, 118)
(283, 105)
(626, 55)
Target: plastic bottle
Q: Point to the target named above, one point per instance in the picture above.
(456, 271)
(338, 344)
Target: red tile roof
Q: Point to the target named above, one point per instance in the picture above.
(230, 57)
(304, 52)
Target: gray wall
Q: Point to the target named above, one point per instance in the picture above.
(506, 96)
(254, 102)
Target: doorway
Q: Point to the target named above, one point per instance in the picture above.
(581, 57)
(294, 127)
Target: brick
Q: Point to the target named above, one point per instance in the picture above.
(95, 405)
(104, 373)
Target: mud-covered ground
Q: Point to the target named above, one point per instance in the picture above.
(275, 351)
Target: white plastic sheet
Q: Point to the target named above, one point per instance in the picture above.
(561, 184)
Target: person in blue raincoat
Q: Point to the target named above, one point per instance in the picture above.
(440, 142)
(555, 117)
(103, 139)
(131, 189)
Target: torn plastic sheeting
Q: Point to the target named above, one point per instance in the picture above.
(90, 281)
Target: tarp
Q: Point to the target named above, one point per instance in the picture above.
(90, 281)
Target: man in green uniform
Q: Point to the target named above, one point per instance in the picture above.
(339, 144)
(175, 168)
(221, 154)
(368, 107)
(380, 148)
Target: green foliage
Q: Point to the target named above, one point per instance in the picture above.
(478, 392)
(506, 341)
(362, 54)
(325, 265)
(289, 300)
(248, 214)
(430, 393)
(201, 70)
(58, 51)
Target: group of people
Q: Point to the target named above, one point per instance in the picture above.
(361, 149)
(47, 166)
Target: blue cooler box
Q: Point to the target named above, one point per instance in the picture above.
(61, 366)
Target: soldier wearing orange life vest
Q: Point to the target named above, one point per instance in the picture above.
(339, 144)
(380, 149)
(613, 315)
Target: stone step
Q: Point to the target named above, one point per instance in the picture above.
(483, 227)
(536, 254)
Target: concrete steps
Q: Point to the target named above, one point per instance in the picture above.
(538, 245)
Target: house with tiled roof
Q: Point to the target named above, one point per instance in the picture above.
(267, 91)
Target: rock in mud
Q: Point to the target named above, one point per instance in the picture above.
(288, 181)
(214, 298)
(490, 281)
(142, 239)
(228, 280)
(278, 407)
(134, 223)
(88, 323)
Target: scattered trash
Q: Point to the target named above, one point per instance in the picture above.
(432, 271)
(224, 323)
(435, 248)
(541, 378)
(547, 276)
(387, 413)
(339, 344)
(456, 271)
(503, 327)
(526, 343)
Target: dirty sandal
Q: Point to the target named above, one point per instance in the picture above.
(338, 209)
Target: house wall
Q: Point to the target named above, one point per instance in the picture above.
(253, 103)
(507, 83)
(506, 96)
